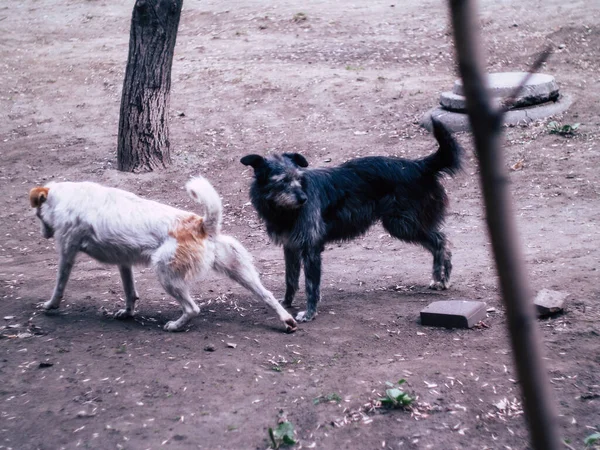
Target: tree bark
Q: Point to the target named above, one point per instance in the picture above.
(143, 142)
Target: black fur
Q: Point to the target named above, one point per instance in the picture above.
(303, 209)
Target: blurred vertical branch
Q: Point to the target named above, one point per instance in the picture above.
(486, 124)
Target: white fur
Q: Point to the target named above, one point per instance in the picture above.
(117, 227)
(200, 188)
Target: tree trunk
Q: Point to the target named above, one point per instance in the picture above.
(144, 121)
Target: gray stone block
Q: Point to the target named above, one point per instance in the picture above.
(549, 302)
(453, 313)
(540, 88)
(538, 99)
(457, 121)
(457, 103)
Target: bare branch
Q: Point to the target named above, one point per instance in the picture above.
(486, 121)
(509, 101)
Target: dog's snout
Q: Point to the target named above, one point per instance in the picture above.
(301, 198)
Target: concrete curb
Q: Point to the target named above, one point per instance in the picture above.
(456, 121)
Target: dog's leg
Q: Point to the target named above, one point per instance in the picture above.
(232, 259)
(131, 294)
(312, 278)
(189, 306)
(292, 274)
(436, 243)
(65, 265)
(177, 288)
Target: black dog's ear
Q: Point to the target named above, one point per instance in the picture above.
(297, 159)
(253, 160)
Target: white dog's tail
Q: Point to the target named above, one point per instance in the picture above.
(203, 192)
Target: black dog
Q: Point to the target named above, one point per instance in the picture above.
(305, 208)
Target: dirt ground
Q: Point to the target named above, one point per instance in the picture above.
(342, 79)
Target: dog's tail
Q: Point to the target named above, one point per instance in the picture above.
(203, 192)
(448, 158)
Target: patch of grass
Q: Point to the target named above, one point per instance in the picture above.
(592, 440)
(283, 434)
(329, 398)
(121, 349)
(565, 130)
(395, 397)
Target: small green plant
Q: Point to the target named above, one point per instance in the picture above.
(563, 130)
(282, 435)
(121, 349)
(395, 397)
(592, 439)
(333, 397)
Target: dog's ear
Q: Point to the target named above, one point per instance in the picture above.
(255, 161)
(37, 196)
(297, 159)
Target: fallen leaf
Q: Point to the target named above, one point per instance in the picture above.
(518, 165)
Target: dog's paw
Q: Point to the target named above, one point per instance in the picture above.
(173, 325)
(49, 305)
(123, 314)
(290, 325)
(439, 285)
(304, 316)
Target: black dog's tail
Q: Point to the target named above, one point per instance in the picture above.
(448, 158)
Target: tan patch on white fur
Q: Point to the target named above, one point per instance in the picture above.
(37, 196)
(190, 235)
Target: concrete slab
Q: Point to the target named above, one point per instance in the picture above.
(456, 121)
(453, 102)
(549, 302)
(529, 96)
(541, 86)
(453, 313)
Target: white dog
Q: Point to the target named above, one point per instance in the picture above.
(117, 227)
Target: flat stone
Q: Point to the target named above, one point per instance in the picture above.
(540, 88)
(549, 302)
(458, 121)
(454, 102)
(453, 313)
